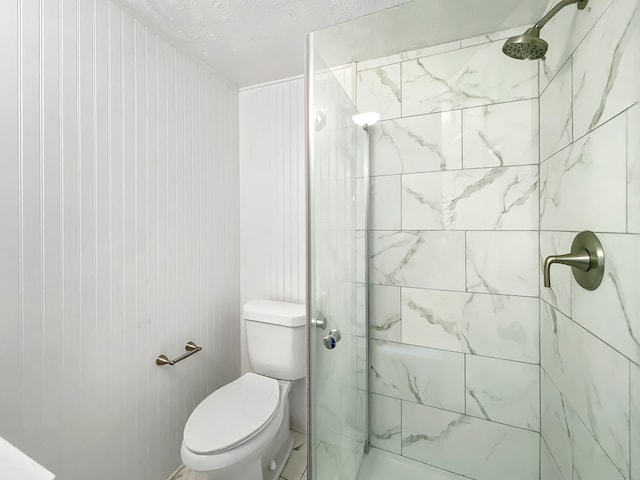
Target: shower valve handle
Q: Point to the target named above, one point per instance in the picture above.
(580, 260)
(586, 259)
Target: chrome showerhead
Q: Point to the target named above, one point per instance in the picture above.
(528, 46)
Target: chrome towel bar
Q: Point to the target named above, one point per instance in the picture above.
(191, 349)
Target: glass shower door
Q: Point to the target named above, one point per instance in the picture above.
(337, 380)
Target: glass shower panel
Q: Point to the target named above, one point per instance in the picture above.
(338, 419)
(454, 304)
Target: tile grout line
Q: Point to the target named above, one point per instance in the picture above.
(484, 419)
(590, 333)
(575, 415)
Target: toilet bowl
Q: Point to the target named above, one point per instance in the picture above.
(241, 431)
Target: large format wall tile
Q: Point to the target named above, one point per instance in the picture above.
(580, 187)
(361, 311)
(479, 199)
(503, 391)
(386, 423)
(469, 77)
(556, 119)
(361, 363)
(353, 409)
(612, 311)
(417, 144)
(492, 325)
(378, 90)
(477, 448)
(337, 456)
(359, 203)
(633, 166)
(559, 295)
(410, 55)
(606, 67)
(556, 425)
(385, 198)
(548, 468)
(360, 256)
(590, 462)
(593, 377)
(501, 134)
(381, 465)
(417, 374)
(418, 259)
(635, 422)
(503, 263)
(564, 32)
(384, 312)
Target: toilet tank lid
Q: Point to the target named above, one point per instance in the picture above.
(278, 313)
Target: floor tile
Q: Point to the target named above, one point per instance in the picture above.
(297, 463)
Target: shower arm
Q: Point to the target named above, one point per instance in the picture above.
(552, 13)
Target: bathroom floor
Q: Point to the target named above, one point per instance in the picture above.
(295, 469)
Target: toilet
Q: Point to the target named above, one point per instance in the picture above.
(241, 431)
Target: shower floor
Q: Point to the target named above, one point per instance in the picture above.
(381, 465)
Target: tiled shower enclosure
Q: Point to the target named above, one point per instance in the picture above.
(482, 166)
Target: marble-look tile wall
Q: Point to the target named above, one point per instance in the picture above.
(454, 258)
(590, 340)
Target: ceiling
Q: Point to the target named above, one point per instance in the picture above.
(249, 41)
(420, 24)
(257, 41)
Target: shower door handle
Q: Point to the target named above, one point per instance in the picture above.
(331, 341)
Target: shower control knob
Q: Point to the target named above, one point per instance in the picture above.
(331, 341)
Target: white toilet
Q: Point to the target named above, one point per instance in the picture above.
(241, 431)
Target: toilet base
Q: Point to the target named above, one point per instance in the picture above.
(281, 456)
(258, 469)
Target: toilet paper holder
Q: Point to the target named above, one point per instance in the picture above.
(191, 349)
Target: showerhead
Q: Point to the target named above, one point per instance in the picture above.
(528, 46)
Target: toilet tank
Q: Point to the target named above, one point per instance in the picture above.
(276, 338)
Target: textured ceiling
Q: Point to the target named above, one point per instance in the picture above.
(250, 41)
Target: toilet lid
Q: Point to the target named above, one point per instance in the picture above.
(232, 414)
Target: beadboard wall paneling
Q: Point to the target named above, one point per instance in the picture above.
(272, 206)
(272, 201)
(120, 233)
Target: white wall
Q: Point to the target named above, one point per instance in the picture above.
(119, 221)
(272, 203)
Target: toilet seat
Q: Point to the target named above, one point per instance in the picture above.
(232, 415)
